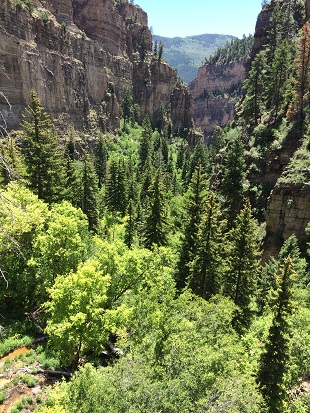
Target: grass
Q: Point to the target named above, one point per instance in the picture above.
(11, 343)
(3, 395)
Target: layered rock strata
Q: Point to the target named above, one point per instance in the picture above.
(79, 55)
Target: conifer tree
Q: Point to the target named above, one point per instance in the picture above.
(146, 144)
(130, 227)
(127, 106)
(274, 360)
(199, 156)
(233, 178)
(253, 104)
(301, 100)
(11, 164)
(243, 265)
(42, 151)
(155, 224)
(101, 159)
(193, 208)
(116, 189)
(207, 267)
(90, 194)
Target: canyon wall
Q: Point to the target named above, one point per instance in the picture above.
(210, 110)
(79, 55)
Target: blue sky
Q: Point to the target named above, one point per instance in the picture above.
(182, 18)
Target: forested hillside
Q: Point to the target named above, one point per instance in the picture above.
(186, 54)
(143, 266)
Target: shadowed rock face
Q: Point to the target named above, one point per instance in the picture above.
(209, 112)
(79, 55)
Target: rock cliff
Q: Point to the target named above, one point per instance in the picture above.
(211, 110)
(79, 55)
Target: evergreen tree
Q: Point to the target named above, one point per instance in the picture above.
(101, 159)
(90, 194)
(155, 225)
(253, 104)
(200, 156)
(207, 267)
(146, 144)
(11, 165)
(274, 360)
(130, 226)
(127, 106)
(233, 178)
(302, 86)
(278, 77)
(193, 209)
(116, 189)
(42, 151)
(243, 265)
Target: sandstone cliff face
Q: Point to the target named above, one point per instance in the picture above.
(288, 213)
(79, 55)
(209, 112)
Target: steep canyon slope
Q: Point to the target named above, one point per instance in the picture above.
(79, 56)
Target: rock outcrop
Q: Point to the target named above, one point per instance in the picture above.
(79, 55)
(288, 213)
(213, 79)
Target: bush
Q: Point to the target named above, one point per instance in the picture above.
(3, 395)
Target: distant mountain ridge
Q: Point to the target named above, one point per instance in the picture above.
(187, 54)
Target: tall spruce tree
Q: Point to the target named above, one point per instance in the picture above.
(209, 262)
(233, 179)
(90, 194)
(193, 209)
(42, 152)
(155, 224)
(146, 144)
(101, 159)
(116, 188)
(243, 265)
(274, 360)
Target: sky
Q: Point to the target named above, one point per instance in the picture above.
(173, 18)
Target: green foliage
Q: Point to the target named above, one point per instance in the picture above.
(42, 151)
(233, 179)
(243, 265)
(186, 54)
(77, 318)
(22, 217)
(61, 246)
(89, 196)
(273, 362)
(193, 209)
(235, 50)
(13, 342)
(209, 262)
(155, 224)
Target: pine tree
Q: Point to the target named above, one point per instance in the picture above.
(116, 189)
(146, 144)
(42, 151)
(101, 159)
(130, 227)
(127, 106)
(274, 360)
(207, 267)
(278, 77)
(193, 209)
(200, 156)
(11, 164)
(253, 104)
(233, 179)
(155, 224)
(243, 265)
(301, 100)
(90, 194)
